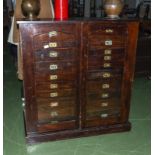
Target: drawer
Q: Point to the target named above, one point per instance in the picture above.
(115, 53)
(105, 103)
(102, 113)
(106, 41)
(103, 119)
(54, 77)
(48, 86)
(54, 34)
(107, 29)
(56, 67)
(56, 93)
(107, 84)
(60, 102)
(56, 55)
(57, 126)
(104, 63)
(55, 44)
(46, 114)
(105, 94)
(104, 74)
(99, 108)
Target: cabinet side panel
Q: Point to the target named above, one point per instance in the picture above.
(129, 68)
(28, 80)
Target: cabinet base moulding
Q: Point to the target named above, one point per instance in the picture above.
(66, 134)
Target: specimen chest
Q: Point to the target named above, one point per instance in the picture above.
(78, 77)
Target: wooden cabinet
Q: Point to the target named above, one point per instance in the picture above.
(77, 77)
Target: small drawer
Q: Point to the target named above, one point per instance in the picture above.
(102, 113)
(104, 95)
(107, 29)
(104, 74)
(54, 35)
(57, 125)
(105, 103)
(61, 102)
(53, 45)
(46, 114)
(103, 119)
(56, 55)
(115, 53)
(56, 93)
(54, 77)
(108, 84)
(48, 86)
(56, 67)
(106, 41)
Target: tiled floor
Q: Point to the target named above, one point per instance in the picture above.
(135, 142)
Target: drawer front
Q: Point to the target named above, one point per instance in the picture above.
(55, 67)
(104, 103)
(56, 93)
(104, 119)
(103, 85)
(54, 45)
(57, 126)
(54, 77)
(49, 86)
(101, 113)
(56, 55)
(99, 108)
(101, 63)
(106, 41)
(104, 74)
(116, 53)
(103, 94)
(107, 29)
(60, 102)
(55, 114)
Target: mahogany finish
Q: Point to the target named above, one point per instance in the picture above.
(78, 77)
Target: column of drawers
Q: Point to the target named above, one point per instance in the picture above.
(105, 63)
(56, 72)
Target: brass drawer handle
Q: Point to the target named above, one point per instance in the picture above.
(46, 46)
(53, 54)
(53, 44)
(107, 51)
(108, 42)
(105, 86)
(54, 113)
(54, 104)
(104, 104)
(106, 65)
(53, 94)
(106, 95)
(53, 77)
(107, 57)
(52, 33)
(104, 115)
(106, 75)
(109, 30)
(53, 86)
(53, 67)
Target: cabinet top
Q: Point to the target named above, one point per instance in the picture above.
(74, 20)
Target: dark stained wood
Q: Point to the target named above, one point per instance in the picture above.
(77, 77)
